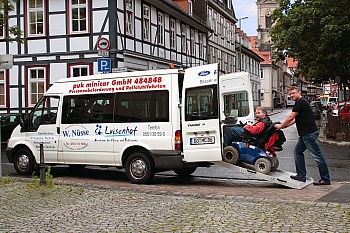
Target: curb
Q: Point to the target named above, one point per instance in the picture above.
(334, 143)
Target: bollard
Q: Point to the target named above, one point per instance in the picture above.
(42, 165)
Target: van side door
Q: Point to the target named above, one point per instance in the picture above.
(43, 125)
(236, 100)
(200, 116)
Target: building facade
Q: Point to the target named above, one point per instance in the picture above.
(228, 45)
(66, 38)
(62, 35)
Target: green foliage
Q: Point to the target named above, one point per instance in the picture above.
(48, 178)
(5, 180)
(14, 32)
(316, 33)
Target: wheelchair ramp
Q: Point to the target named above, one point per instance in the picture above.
(278, 177)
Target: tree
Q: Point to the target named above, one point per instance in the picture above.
(14, 32)
(316, 33)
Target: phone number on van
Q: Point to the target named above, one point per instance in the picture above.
(153, 134)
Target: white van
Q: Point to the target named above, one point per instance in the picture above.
(289, 102)
(145, 122)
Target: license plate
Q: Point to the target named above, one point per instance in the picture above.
(202, 140)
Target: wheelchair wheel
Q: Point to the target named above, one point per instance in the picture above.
(230, 155)
(263, 165)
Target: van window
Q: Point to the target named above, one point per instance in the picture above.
(96, 108)
(44, 112)
(201, 103)
(236, 104)
(143, 106)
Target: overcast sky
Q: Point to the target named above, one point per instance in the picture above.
(247, 8)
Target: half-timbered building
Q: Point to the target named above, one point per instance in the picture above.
(62, 35)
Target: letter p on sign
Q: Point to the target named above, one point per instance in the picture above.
(104, 65)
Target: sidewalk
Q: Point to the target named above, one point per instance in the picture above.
(201, 205)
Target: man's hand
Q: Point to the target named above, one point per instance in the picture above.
(278, 126)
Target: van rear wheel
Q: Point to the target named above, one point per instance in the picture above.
(24, 162)
(139, 168)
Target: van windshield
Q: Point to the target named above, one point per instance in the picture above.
(201, 103)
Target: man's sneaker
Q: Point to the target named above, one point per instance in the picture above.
(322, 182)
(298, 178)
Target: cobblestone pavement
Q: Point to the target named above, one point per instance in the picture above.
(72, 206)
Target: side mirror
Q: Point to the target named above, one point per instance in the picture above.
(23, 122)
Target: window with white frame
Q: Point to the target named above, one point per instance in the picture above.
(79, 16)
(210, 55)
(2, 88)
(201, 45)
(183, 38)
(215, 15)
(222, 32)
(190, 7)
(35, 17)
(210, 17)
(146, 23)
(232, 31)
(172, 34)
(160, 28)
(79, 70)
(218, 26)
(192, 39)
(229, 4)
(37, 84)
(215, 55)
(129, 17)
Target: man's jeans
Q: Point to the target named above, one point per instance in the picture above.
(235, 134)
(310, 142)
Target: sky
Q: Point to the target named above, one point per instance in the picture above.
(248, 8)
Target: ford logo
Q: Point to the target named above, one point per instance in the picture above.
(204, 73)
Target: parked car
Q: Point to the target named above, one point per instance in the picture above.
(9, 121)
(344, 111)
(317, 103)
(317, 112)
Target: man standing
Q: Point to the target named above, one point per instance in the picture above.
(308, 132)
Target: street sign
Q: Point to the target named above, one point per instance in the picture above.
(104, 65)
(103, 53)
(103, 43)
(6, 61)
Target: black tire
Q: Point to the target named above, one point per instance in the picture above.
(139, 168)
(24, 162)
(230, 155)
(277, 163)
(263, 165)
(184, 172)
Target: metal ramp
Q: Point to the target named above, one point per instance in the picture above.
(278, 177)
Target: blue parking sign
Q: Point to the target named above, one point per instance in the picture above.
(104, 65)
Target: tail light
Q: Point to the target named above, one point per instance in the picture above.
(178, 140)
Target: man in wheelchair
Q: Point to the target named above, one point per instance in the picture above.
(254, 144)
(261, 134)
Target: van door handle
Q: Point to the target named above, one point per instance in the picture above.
(58, 130)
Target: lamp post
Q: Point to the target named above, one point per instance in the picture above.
(240, 42)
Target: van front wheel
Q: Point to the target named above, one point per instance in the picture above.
(24, 162)
(139, 168)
